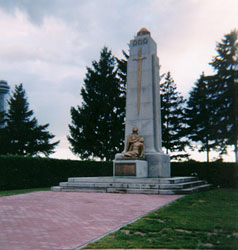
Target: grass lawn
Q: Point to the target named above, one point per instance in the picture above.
(206, 220)
(22, 191)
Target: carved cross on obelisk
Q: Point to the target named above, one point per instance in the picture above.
(139, 63)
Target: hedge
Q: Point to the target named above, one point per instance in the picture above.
(220, 174)
(18, 172)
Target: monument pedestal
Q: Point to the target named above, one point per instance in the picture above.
(130, 168)
(159, 165)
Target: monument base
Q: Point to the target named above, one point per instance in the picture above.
(130, 168)
(159, 165)
(131, 185)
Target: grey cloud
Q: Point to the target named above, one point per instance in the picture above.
(37, 10)
(70, 10)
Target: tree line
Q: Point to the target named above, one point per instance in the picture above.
(208, 117)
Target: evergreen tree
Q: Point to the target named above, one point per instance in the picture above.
(97, 129)
(22, 134)
(201, 115)
(122, 72)
(172, 112)
(122, 75)
(226, 90)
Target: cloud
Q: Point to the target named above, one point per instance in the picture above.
(187, 38)
(35, 11)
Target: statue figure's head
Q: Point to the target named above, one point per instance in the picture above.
(134, 129)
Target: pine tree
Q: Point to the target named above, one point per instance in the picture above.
(97, 129)
(226, 90)
(22, 134)
(201, 115)
(172, 112)
(122, 72)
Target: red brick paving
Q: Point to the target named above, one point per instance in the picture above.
(53, 221)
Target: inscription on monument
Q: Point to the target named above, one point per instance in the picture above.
(125, 169)
(140, 42)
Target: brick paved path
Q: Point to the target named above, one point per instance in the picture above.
(53, 221)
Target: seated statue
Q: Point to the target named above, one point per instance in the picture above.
(134, 145)
(137, 150)
(132, 138)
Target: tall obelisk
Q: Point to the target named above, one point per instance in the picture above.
(143, 101)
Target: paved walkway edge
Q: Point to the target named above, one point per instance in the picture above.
(118, 228)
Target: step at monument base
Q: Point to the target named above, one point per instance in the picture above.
(175, 185)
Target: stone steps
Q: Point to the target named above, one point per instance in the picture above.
(131, 185)
(175, 185)
(131, 179)
(188, 190)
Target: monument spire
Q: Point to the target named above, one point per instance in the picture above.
(143, 103)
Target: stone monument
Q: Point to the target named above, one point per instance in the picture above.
(143, 113)
(142, 168)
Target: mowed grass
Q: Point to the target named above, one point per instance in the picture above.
(22, 191)
(206, 220)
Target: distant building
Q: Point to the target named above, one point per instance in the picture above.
(4, 90)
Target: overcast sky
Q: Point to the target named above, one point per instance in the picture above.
(47, 44)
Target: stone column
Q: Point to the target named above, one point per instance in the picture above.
(143, 101)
